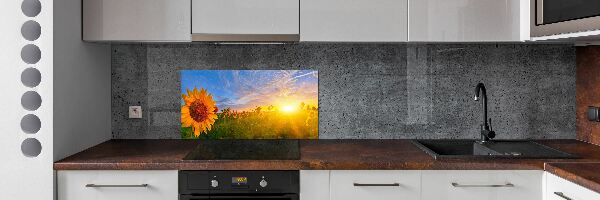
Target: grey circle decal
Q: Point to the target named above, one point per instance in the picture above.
(31, 77)
(31, 8)
(31, 100)
(31, 54)
(31, 30)
(31, 147)
(31, 124)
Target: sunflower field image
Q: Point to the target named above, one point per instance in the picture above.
(249, 104)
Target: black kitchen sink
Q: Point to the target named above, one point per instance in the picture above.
(471, 149)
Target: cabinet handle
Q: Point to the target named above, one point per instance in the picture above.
(491, 185)
(560, 194)
(376, 184)
(114, 186)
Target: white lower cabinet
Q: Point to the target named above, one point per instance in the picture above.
(422, 184)
(314, 184)
(341, 185)
(560, 189)
(375, 185)
(482, 185)
(117, 185)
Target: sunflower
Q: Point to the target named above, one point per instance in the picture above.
(199, 111)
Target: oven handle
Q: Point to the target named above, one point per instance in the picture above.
(285, 196)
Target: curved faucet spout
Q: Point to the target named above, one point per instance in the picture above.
(481, 88)
(486, 133)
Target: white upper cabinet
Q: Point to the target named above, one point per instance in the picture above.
(307, 20)
(468, 20)
(354, 20)
(245, 20)
(136, 20)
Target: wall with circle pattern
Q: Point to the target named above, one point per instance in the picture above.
(31, 78)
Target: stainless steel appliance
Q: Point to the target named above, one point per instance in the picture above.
(552, 17)
(233, 185)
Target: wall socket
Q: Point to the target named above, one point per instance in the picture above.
(135, 112)
(593, 114)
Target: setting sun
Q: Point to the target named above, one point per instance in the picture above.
(249, 104)
(288, 109)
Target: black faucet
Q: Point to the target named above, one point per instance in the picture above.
(486, 129)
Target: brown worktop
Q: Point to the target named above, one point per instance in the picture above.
(332, 155)
(584, 174)
(314, 154)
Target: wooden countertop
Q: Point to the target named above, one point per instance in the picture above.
(331, 155)
(584, 174)
(314, 154)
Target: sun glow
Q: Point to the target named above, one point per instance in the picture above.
(288, 109)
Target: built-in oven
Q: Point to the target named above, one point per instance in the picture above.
(237, 185)
(552, 17)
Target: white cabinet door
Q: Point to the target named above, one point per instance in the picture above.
(560, 189)
(353, 20)
(245, 16)
(117, 185)
(468, 20)
(136, 20)
(314, 185)
(375, 185)
(482, 185)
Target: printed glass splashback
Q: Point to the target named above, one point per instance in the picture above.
(249, 104)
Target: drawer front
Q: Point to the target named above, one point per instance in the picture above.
(560, 189)
(117, 185)
(376, 185)
(482, 185)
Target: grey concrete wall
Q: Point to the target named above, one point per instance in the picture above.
(370, 90)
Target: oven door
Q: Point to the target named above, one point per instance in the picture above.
(552, 17)
(241, 197)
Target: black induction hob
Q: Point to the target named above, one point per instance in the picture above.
(245, 150)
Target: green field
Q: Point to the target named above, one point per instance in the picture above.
(260, 123)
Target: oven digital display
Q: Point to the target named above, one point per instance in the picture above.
(239, 180)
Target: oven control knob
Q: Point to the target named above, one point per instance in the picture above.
(263, 183)
(214, 183)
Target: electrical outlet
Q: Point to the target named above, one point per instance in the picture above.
(135, 112)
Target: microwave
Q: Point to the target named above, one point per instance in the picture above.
(553, 17)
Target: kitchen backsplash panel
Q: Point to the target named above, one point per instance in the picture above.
(369, 91)
(588, 92)
(249, 104)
